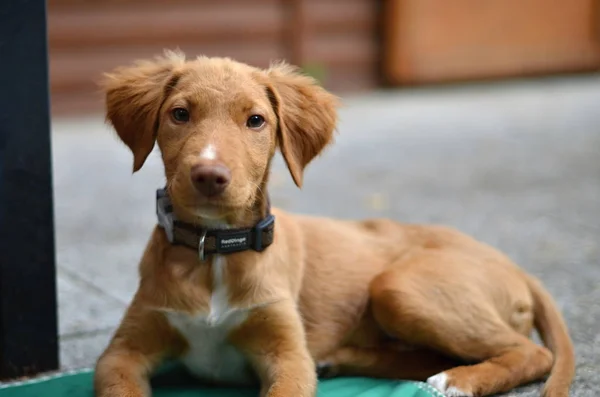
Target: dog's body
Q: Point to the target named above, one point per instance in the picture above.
(375, 297)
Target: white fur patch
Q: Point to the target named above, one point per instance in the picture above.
(456, 392)
(219, 301)
(209, 153)
(210, 356)
(440, 382)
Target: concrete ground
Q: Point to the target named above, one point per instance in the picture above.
(515, 164)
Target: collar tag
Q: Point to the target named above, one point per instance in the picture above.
(201, 241)
(233, 241)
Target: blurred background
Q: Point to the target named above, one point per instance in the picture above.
(482, 115)
(352, 45)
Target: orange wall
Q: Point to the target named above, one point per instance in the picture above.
(440, 40)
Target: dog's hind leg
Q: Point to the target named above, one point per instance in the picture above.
(382, 362)
(421, 305)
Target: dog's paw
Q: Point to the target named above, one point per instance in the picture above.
(442, 383)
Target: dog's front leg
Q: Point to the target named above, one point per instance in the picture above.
(273, 339)
(121, 373)
(140, 343)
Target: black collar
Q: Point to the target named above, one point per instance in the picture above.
(212, 241)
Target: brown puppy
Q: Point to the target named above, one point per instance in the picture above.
(375, 298)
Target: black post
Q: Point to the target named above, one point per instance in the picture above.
(28, 319)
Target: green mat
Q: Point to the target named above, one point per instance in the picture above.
(174, 384)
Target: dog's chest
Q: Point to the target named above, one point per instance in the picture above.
(210, 356)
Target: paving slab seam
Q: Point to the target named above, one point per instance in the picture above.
(83, 282)
(85, 334)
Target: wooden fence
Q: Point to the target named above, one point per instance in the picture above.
(334, 39)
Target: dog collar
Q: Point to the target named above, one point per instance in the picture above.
(212, 241)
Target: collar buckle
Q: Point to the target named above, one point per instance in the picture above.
(163, 213)
(265, 225)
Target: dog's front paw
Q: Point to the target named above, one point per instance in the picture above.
(122, 392)
(442, 382)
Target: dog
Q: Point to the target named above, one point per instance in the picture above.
(245, 294)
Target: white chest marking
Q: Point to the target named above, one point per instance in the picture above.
(219, 301)
(210, 356)
(209, 153)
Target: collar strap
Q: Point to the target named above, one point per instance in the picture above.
(212, 241)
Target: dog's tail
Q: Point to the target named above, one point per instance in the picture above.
(553, 331)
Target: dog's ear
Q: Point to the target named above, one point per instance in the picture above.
(306, 113)
(134, 95)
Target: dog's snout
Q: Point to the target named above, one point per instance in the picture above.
(210, 179)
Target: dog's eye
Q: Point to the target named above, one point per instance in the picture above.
(180, 115)
(255, 121)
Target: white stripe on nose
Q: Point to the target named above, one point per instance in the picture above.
(209, 153)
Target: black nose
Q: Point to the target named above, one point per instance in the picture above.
(210, 179)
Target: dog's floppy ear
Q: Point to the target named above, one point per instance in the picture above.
(134, 95)
(306, 114)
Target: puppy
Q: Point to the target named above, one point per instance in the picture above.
(246, 294)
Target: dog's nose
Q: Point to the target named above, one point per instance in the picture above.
(210, 179)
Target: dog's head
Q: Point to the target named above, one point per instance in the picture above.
(218, 123)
